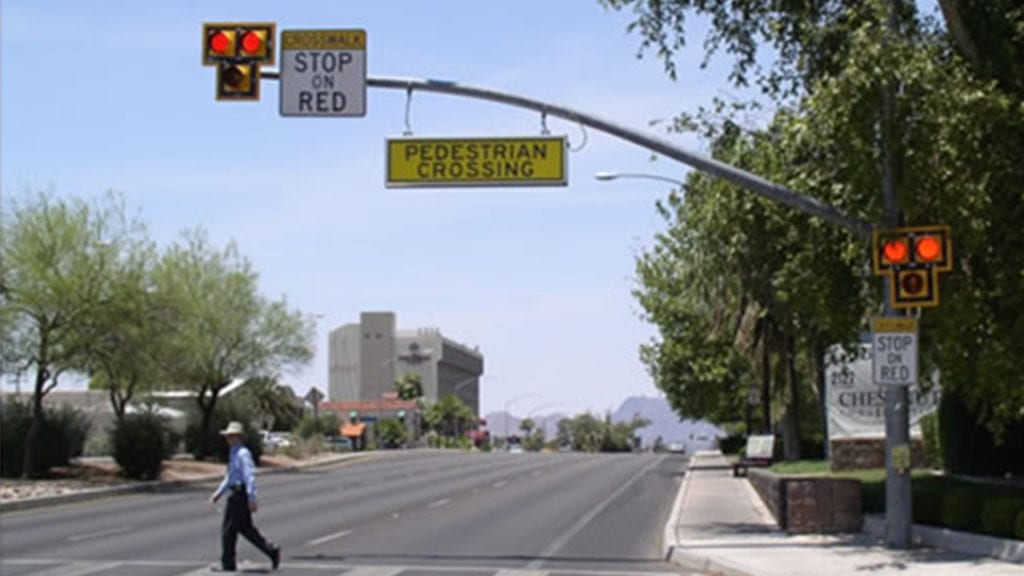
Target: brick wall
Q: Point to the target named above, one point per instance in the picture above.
(809, 505)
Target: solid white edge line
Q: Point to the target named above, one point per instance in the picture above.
(580, 524)
(670, 539)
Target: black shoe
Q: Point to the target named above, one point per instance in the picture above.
(275, 557)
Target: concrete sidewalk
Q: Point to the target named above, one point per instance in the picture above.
(720, 526)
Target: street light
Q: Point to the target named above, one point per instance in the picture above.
(608, 176)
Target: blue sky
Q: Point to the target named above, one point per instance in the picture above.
(103, 96)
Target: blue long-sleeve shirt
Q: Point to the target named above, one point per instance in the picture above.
(240, 470)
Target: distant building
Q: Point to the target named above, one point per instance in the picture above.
(365, 360)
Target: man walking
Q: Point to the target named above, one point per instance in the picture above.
(240, 480)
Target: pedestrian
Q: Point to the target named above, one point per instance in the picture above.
(240, 481)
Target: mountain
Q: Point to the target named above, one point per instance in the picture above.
(693, 434)
(497, 422)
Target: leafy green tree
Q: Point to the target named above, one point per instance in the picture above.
(410, 386)
(449, 416)
(863, 93)
(59, 260)
(126, 340)
(275, 403)
(393, 434)
(527, 425)
(227, 330)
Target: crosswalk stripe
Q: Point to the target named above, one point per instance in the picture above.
(78, 569)
(375, 571)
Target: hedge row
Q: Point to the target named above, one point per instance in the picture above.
(948, 502)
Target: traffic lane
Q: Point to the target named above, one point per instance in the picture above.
(342, 512)
(169, 526)
(528, 523)
(175, 514)
(641, 512)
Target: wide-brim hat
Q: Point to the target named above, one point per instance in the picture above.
(234, 428)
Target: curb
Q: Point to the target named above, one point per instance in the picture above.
(161, 486)
(709, 566)
(1003, 549)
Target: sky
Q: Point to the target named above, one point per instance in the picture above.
(98, 96)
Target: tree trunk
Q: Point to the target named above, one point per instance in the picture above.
(766, 379)
(818, 362)
(961, 37)
(30, 465)
(791, 423)
(206, 418)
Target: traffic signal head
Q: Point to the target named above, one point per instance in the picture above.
(912, 257)
(253, 41)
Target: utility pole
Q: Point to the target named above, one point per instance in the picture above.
(898, 508)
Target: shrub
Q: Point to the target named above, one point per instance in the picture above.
(732, 444)
(328, 424)
(999, 514)
(960, 509)
(393, 433)
(927, 501)
(141, 443)
(1018, 528)
(61, 438)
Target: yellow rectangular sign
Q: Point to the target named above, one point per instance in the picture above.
(447, 162)
(894, 324)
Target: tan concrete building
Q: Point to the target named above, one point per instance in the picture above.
(365, 360)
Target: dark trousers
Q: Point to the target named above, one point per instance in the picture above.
(238, 519)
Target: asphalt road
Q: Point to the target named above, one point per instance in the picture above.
(407, 514)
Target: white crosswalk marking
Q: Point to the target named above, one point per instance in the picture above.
(98, 568)
(78, 569)
(374, 571)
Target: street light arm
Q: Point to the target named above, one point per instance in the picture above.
(752, 182)
(607, 176)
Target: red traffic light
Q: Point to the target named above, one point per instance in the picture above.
(928, 249)
(895, 251)
(252, 42)
(220, 42)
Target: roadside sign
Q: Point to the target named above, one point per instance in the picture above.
(894, 351)
(446, 162)
(323, 73)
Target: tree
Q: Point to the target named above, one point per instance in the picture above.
(527, 425)
(448, 416)
(276, 404)
(409, 386)
(866, 92)
(227, 329)
(393, 433)
(125, 340)
(59, 259)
